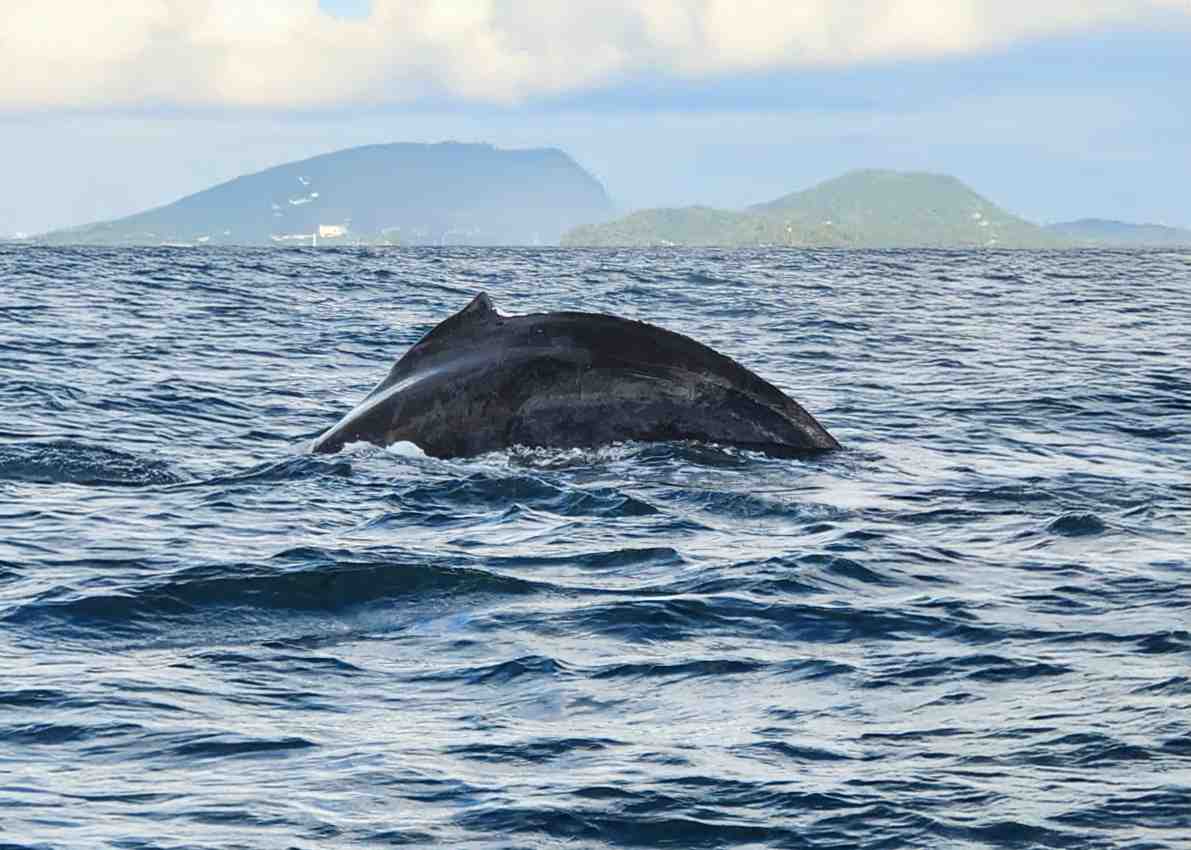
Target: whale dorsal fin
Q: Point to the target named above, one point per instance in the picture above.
(478, 313)
(480, 306)
(472, 319)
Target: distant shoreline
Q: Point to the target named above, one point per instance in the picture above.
(479, 195)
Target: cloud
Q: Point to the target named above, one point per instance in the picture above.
(292, 54)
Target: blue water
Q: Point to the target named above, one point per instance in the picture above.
(970, 628)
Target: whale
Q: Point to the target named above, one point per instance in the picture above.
(482, 381)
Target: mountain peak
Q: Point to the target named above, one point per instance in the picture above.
(866, 207)
(447, 192)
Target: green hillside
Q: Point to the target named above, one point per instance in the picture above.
(690, 226)
(893, 208)
(874, 209)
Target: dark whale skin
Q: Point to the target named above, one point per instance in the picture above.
(481, 381)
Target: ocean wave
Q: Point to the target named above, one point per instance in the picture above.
(934, 638)
(71, 462)
(300, 580)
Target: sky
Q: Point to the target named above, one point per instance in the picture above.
(1053, 109)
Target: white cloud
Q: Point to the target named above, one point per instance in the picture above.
(289, 54)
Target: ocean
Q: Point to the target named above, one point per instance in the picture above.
(969, 628)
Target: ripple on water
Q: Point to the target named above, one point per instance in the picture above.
(71, 462)
(967, 629)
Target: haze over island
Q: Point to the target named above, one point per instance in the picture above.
(471, 194)
(1053, 113)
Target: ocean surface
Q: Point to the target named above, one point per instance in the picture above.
(969, 628)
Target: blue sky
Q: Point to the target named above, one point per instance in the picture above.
(347, 8)
(1083, 112)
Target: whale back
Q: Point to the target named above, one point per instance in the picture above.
(480, 381)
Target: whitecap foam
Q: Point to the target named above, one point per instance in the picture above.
(404, 448)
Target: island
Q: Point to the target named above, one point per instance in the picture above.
(452, 193)
(867, 208)
(1107, 233)
(404, 193)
